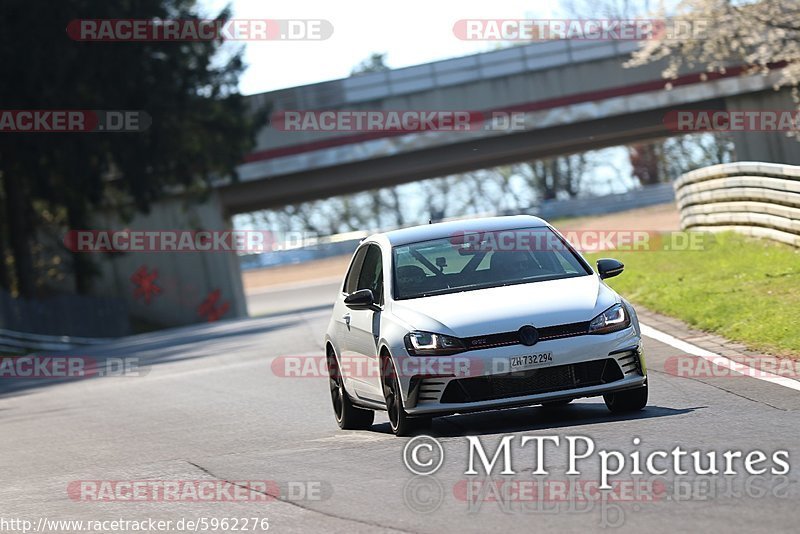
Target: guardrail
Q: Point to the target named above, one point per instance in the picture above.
(756, 199)
(12, 342)
(581, 207)
(60, 322)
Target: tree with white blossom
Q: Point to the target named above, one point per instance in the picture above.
(759, 35)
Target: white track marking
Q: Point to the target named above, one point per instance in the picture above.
(718, 359)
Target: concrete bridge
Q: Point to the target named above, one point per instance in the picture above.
(573, 95)
(564, 96)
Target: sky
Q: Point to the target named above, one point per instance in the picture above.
(410, 32)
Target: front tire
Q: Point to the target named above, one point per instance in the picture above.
(400, 422)
(348, 417)
(626, 401)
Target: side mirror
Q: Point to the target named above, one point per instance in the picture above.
(609, 268)
(363, 299)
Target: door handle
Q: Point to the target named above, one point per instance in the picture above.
(346, 318)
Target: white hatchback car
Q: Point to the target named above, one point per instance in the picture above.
(475, 315)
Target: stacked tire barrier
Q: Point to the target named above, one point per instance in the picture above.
(756, 199)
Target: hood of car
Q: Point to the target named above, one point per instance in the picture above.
(507, 308)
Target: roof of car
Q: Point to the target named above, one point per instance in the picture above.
(426, 232)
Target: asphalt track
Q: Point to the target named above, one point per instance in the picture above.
(211, 406)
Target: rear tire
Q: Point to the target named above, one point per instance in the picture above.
(348, 417)
(400, 422)
(630, 400)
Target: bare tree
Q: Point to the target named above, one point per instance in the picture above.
(561, 176)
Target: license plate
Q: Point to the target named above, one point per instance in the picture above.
(530, 360)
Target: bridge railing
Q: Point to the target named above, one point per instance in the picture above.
(757, 199)
(600, 205)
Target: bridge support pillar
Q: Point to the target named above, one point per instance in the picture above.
(173, 288)
(770, 147)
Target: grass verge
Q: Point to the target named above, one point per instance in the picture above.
(744, 289)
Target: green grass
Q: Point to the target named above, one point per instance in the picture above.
(744, 289)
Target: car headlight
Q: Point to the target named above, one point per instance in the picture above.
(613, 319)
(430, 344)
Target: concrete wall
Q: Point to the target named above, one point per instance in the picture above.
(758, 199)
(186, 279)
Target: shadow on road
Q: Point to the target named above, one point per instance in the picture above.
(147, 350)
(535, 418)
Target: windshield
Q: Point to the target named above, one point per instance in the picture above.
(478, 260)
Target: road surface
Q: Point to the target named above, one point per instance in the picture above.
(211, 407)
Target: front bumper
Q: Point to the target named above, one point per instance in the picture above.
(526, 400)
(582, 366)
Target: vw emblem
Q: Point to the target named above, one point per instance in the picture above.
(528, 335)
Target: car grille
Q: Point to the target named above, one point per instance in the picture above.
(532, 382)
(430, 389)
(629, 362)
(512, 338)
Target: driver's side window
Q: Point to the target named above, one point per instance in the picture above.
(371, 276)
(351, 282)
